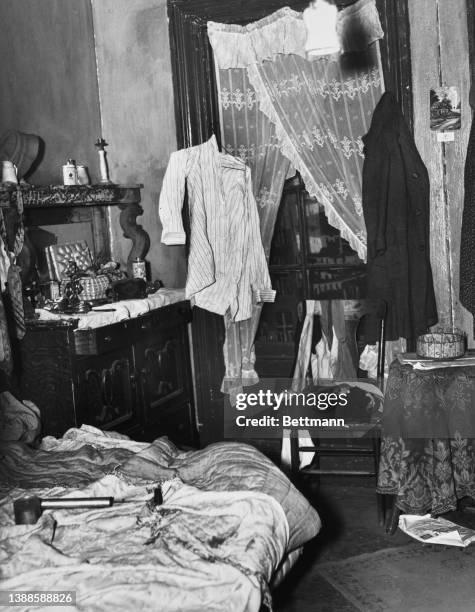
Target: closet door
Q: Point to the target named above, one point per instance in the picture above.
(197, 117)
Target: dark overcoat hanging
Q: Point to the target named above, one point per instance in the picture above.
(396, 208)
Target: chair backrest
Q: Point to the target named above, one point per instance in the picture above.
(357, 322)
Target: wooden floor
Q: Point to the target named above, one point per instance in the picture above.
(347, 507)
(350, 527)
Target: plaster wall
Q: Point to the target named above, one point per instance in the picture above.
(136, 100)
(48, 80)
(73, 70)
(440, 56)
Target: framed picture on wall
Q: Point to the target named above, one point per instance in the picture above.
(445, 114)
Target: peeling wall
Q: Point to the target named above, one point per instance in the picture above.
(136, 97)
(73, 69)
(48, 80)
(440, 56)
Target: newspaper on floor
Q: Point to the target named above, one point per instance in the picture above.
(435, 530)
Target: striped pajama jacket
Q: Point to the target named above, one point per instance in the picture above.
(227, 268)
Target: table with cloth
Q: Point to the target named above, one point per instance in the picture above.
(428, 437)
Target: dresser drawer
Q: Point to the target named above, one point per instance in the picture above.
(162, 320)
(103, 339)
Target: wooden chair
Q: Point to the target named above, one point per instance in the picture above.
(355, 312)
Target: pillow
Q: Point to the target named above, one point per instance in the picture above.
(233, 466)
(19, 421)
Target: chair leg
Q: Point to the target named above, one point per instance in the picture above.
(393, 519)
(294, 457)
(381, 506)
(316, 460)
(380, 499)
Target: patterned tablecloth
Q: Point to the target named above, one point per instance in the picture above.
(428, 440)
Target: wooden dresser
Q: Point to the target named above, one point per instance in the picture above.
(132, 376)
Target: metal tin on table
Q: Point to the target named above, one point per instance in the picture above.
(70, 173)
(82, 174)
(51, 290)
(139, 269)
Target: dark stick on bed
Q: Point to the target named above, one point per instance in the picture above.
(28, 510)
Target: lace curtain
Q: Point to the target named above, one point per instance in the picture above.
(277, 108)
(321, 110)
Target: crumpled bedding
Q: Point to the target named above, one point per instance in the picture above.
(222, 530)
(18, 420)
(199, 550)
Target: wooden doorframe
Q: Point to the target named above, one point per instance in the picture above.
(471, 37)
(197, 117)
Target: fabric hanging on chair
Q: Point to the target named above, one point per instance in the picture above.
(252, 129)
(330, 362)
(331, 358)
(304, 356)
(321, 361)
(369, 357)
(312, 307)
(344, 365)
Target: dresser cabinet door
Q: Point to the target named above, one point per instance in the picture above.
(107, 391)
(163, 366)
(47, 369)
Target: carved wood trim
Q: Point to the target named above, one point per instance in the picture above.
(43, 196)
(131, 230)
(109, 394)
(162, 374)
(42, 201)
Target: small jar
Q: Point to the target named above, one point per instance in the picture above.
(70, 173)
(139, 269)
(82, 174)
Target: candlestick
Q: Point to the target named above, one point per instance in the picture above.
(103, 169)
